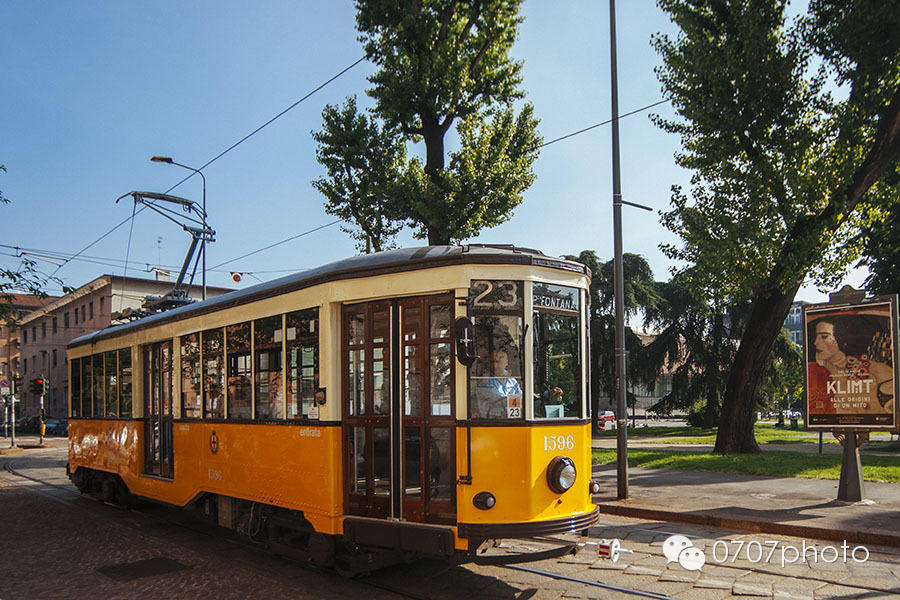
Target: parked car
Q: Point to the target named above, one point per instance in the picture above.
(603, 417)
(55, 426)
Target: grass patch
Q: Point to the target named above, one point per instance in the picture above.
(775, 464)
(765, 434)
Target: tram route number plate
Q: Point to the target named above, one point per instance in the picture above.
(514, 406)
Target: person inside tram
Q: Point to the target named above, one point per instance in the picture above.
(499, 390)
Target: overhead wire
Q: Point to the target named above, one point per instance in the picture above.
(332, 223)
(215, 158)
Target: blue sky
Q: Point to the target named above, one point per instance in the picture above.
(92, 89)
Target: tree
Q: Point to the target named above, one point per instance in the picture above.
(441, 63)
(357, 153)
(640, 296)
(784, 171)
(696, 342)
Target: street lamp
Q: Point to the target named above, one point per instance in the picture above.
(168, 160)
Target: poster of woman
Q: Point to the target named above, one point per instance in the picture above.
(850, 366)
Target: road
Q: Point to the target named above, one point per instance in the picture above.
(58, 544)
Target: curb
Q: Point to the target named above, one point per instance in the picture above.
(789, 529)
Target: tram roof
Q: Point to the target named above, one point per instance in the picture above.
(366, 265)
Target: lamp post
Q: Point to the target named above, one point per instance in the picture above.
(168, 160)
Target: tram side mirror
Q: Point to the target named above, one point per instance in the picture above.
(465, 341)
(320, 396)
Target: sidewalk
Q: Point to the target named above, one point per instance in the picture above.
(805, 508)
(30, 440)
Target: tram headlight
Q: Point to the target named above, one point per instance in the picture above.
(561, 474)
(484, 500)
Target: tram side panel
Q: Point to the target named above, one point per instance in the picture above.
(283, 465)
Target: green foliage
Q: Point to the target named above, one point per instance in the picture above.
(363, 161)
(882, 251)
(773, 153)
(440, 63)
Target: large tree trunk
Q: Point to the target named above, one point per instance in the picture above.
(736, 421)
(433, 135)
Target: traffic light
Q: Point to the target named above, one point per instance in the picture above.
(45, 385)
(37, 386)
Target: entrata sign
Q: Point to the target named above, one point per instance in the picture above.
(851, 364)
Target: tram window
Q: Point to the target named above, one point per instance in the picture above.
(110, 379)
(557, 352)
(356, 362)
(97, 385)
(495, 380)
(75, 387)
(268, 339)
(441, 481)
(381, 441)
(213, 377)
(191, 395)
(239, 372)
(381, 377)
(303, 361)
(440, 378)
(125, 382)
(412, 465)
(86, 393)
(358, 468)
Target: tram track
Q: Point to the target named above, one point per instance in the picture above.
(188, 522)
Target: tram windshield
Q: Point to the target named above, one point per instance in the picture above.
(557, 352)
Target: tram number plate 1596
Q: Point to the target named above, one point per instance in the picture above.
(558, 442)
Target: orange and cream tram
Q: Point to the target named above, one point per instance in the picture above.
(415, 402)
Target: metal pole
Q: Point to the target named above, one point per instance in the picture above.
(203, 244)
(621, 411)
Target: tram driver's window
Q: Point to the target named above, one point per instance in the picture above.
(557, 352)
(495, 379)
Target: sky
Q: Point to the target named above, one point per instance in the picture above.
(91, 90)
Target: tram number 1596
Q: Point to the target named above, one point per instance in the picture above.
(558, 442)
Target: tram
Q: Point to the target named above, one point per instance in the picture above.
(415, 402)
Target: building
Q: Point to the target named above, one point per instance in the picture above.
(794, 321)
(44, 332)
(18, 305)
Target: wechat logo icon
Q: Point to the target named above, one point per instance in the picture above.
(678, 548)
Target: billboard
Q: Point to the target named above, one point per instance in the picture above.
(850, 353)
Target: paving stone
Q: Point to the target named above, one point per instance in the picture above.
(679, 575)
(714, 583)
(752, 588)
(841, 591)
(704, 594)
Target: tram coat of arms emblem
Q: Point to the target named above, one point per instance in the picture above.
(213, 443)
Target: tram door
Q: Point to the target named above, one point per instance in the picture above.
(158, 452)
(399, 410)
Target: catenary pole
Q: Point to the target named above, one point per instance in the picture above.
(621, 411)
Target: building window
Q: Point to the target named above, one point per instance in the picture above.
(54, 358)
(91, 311)
(101, 305)
(24, 336)
(44, 329)
(55, 325)
(34, 334)
(76, 316)
(83, 314)
(25, 366)
(66, 320)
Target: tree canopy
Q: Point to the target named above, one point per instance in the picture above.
(791, 129)
(440, 63)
